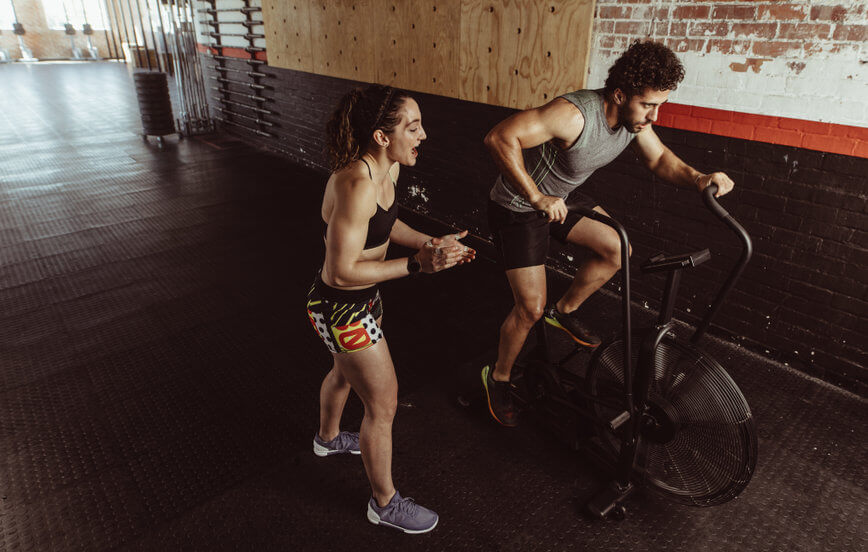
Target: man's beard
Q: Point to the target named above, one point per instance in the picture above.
(625, 122)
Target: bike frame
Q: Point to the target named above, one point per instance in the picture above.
(635, 395)
(625, 303)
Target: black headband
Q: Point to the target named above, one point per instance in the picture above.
(383, 108)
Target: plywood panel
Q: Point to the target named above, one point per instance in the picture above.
(480, 50)
(287, 33)
(419, 50)
(342, 34)
(394, 43)
(565, 48)
(516, 53)
(521, 53)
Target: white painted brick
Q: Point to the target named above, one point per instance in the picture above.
(760, 83)
(846, 112)
(797, 107)
(747, 101)
(799, 87)
(691, 78)
(732, 81)
(694, 95)
(727, 99)
(820, 91)
(706, 73)
(833, 69)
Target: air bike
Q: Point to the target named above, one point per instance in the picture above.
(671, 420)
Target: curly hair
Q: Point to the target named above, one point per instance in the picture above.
(645, 64)
(359, 113)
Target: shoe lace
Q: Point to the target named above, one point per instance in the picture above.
(408, 506)
(347, 439)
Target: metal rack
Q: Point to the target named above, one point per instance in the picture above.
(160, 36)
(229, 109)
(194, 117)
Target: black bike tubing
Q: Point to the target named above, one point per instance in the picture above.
(625, 296)
(735, 273)
(648, 351)
(544, 342)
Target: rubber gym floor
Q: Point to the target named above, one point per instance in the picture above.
(159, 377)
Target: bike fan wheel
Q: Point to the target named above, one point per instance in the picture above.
(698, 444)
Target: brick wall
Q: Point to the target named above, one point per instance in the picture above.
(803, 299)
(789, 62)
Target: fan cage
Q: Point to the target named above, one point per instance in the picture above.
(712, 455)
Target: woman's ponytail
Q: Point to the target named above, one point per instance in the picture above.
(342, 146)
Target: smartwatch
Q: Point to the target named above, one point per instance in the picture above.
(413, 265)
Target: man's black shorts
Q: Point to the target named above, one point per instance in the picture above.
(522, 239)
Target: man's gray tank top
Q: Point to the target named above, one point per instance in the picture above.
(557, 172)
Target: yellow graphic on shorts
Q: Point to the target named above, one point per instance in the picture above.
(353, 337)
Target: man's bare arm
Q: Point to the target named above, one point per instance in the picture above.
(559, 120)
(668, 166)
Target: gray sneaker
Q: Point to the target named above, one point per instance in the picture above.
(345, 442)
(402, 514)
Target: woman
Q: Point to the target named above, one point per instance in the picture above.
(369, 136)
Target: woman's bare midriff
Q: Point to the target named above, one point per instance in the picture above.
(373, 254)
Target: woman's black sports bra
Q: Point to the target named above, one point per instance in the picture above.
(379, 225)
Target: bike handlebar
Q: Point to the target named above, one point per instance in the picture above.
(747, 250)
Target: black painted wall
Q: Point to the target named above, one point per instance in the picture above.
(802, 299)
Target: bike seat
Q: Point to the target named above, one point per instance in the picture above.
(661, 262)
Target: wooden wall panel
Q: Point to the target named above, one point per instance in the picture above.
(287, 33)
(419, 50)
(521, 53)
(515, 53)
(565, 48)
(344, 38)
(393, 45)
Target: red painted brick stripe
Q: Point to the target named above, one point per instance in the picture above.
(230, 52)
(813, 135)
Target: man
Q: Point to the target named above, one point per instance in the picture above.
(544, 154)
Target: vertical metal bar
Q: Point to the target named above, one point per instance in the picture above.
(184, 62)
(135, 38)
(188, 99)
(669, 295)
(144, 35)
(135, 42)
(115, 28)
(107, 22)
(189, 61)
(179, 59)
(122, 25)
(196, 83)
(116, 25)
(160, 64)
(193, 116)
(163, 32)
(202, 106)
